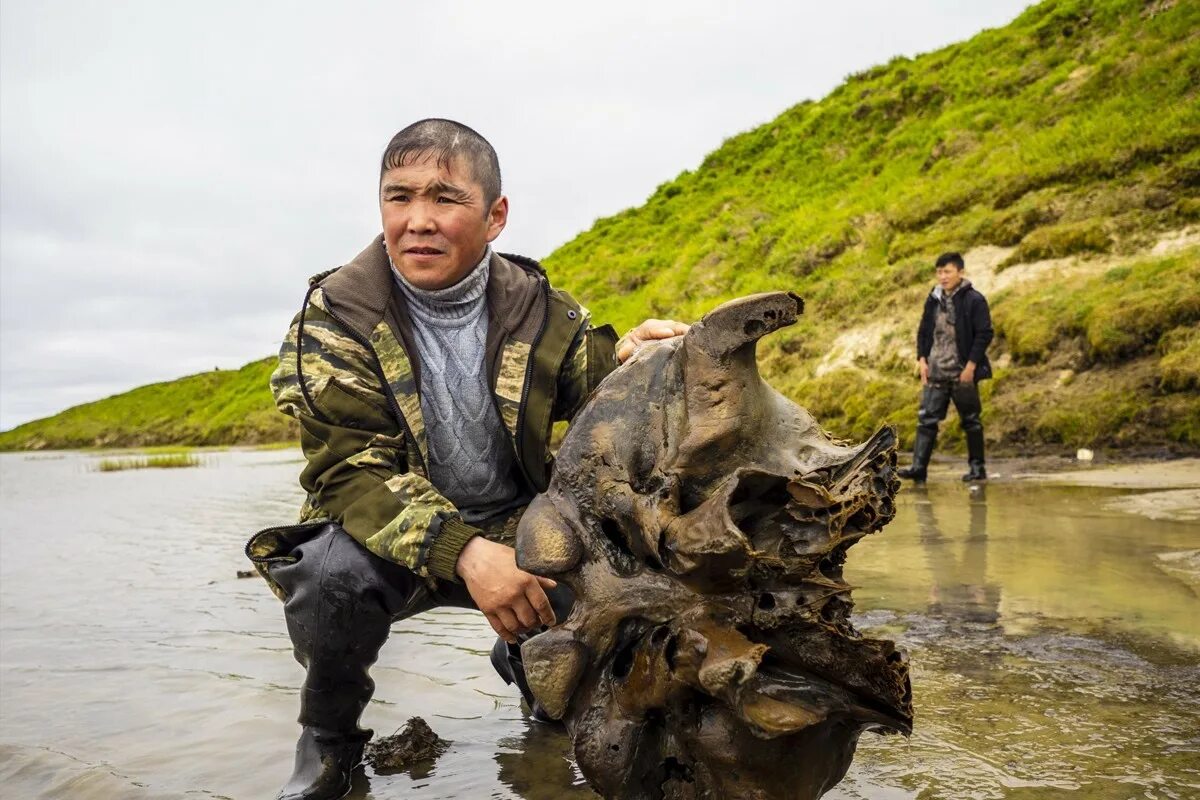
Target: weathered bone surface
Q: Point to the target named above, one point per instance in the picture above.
(702, 520)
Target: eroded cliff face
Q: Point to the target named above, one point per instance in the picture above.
(701, 520)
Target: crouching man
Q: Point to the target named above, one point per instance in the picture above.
(426, 374)
(952, 341)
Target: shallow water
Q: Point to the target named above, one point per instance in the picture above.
(1055, 643)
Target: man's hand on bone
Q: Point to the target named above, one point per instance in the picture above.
(513, 600)
(648, 331)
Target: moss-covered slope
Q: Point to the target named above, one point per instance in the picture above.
(1073, 133)
(1060, 153)
(219, 407)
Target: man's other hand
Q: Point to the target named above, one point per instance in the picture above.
(513, 600)
(968, 373)
(923, 370)
(648, 331)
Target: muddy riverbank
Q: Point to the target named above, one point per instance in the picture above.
(1054, 632)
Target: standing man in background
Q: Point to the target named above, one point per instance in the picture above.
(952, 341)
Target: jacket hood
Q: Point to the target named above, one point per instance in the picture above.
(938, 293)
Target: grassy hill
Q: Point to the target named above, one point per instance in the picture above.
(218, 407)
(1064, 147)
(1061, 154)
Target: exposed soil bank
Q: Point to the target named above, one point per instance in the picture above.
(1183, 473)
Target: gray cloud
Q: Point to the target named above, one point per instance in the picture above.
(170, 174)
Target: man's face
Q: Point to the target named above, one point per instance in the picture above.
(436, 222)
(949, 277)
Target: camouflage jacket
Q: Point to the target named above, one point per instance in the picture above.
(348, 372)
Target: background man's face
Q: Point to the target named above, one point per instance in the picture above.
(436, 223)
(949, 277)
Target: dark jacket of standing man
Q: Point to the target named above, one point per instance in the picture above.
(952, 342)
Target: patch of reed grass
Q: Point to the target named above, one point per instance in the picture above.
(290, 444)
(160, 461)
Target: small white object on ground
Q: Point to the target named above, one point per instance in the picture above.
(1084, 454)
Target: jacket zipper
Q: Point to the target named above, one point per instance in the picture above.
(296, 526)
(409, 436)
(529, 369)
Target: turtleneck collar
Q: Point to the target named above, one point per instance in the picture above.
(454, 304)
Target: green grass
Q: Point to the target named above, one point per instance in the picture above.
(1057, 241)
(164, 461)
(991, 141)
(290, 444)
(1179, 367)
(1113, 317)
(212, 408)
(1072, 132)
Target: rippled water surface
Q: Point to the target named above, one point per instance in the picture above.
(1055, 643)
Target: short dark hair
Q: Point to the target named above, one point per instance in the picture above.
(950, 258)
(446, 140)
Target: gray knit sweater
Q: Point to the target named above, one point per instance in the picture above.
(470, 459)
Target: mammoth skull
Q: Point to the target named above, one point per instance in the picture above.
(701, 520)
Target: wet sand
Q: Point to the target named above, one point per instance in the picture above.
(1055, 638)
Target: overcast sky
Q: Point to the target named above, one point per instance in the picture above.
(171, 173)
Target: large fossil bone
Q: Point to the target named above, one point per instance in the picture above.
(701, 520)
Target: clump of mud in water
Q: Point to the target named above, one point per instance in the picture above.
(414, 743)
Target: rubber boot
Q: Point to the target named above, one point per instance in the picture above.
(325, 761)
(975, 468)
(339, 609)
(922, 451)
(506, 658)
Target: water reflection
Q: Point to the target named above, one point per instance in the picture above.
(179, 681)
(958, 589)
(537, 764)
